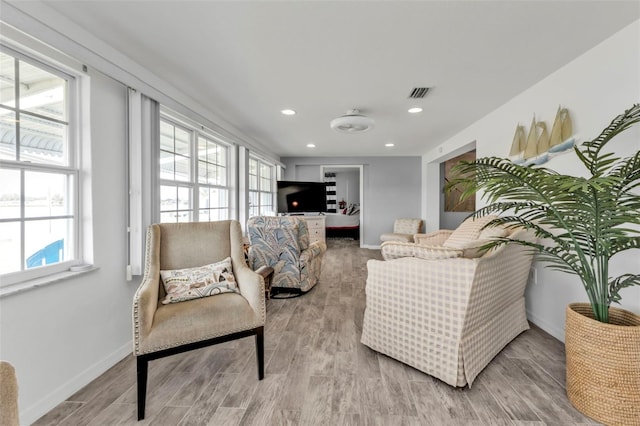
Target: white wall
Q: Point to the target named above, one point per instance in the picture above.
(63, 335)
(595, 87)
(305, 173)
(348, 186)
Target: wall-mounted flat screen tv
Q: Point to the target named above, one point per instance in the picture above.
(301, 197)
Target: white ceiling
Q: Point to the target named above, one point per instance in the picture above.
(247, 60)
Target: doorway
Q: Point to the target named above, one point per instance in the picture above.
(349, 181)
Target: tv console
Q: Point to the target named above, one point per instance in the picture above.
(316, 226)
(315, 223)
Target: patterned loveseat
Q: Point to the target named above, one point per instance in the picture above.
(444, 306)
(283, 243)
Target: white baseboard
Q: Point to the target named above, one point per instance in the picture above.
(46, 404)
(550, 328)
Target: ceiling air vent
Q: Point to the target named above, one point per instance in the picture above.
(419, 92)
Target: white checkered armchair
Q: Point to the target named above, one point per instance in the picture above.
(403, 230)
(444, 306)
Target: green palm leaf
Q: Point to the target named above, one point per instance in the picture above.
(583, 221)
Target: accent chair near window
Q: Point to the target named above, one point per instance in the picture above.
(162, 328)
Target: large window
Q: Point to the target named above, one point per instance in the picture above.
(194, 174)
(261, 177)
(38, 168)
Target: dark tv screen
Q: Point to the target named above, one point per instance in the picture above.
(300, 197)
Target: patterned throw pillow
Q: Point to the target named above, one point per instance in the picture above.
(202, 281)
(353, 209)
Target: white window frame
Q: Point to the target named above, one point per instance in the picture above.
(261, 209)
(195, 131)
(72, 170)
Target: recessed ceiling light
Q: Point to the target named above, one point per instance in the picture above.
(288, 112)
(310, 145)
(389, 145)
(415, 110)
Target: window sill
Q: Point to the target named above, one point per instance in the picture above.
(25, 286)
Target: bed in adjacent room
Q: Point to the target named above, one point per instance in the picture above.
(343, 225)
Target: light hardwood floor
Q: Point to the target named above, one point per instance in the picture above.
(318, 373)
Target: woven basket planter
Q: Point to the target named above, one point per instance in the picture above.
(603, 364)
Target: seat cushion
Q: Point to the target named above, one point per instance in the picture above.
(407, 238)
(395, 249)
(195, 320)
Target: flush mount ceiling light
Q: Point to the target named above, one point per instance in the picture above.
(414, 110)
(288, 112)
(352, 122)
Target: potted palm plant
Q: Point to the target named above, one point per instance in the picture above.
(581, 223)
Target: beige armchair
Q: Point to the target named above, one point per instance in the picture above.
(9, 415)
(403, 230)
(447, 311)
(166, 329)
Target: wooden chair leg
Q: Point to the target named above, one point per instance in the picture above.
(142, 361)
(143, 368)
(260, 352)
